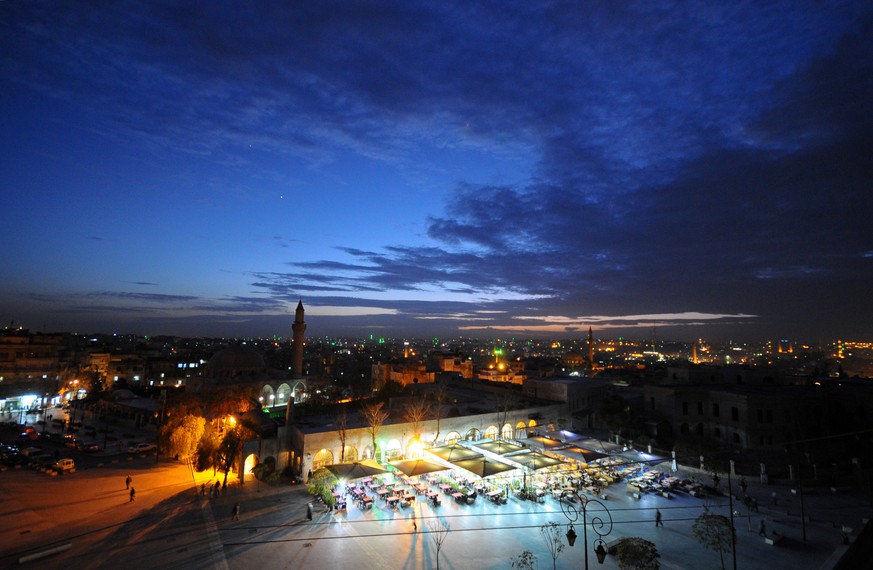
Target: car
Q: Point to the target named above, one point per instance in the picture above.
(73, 443)
(43, 461)
(62, 465)
(11, 458)
(90, 446)
(141, 447)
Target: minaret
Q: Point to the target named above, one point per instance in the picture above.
(297, 340)
(590, 348)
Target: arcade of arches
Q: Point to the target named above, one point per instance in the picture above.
(395, 448)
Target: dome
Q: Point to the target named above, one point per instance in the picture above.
(235, 361)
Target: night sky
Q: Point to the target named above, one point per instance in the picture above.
(433, 169)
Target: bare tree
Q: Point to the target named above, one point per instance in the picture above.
(439, 530)
(524, 561)
(553, 538)
(505, 402)
(374, 417)
(439, 396)
(341, 423)
(415, 412)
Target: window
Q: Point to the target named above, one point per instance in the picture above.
(684, 408)
(769, 416)
(735, 413)
(715, 410)
(716, 432)
(652, 402)
(699, 408)
(737, 438)
(760, 416)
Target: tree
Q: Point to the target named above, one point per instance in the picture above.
(321, 483)
(439, 396)
(553, 538)
(207, 449)
(524, 561)
(634, 553)
(505, 401)
(341, 423)
(373, 416)
(229, 451)
(415, 412)
(615, 413)
(94, 382)
(713, 532)
(439, 530)
(181, 435)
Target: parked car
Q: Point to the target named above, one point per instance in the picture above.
(73, 443)
(90, 446)
(66, 464)
(141, 447)
(43, 461)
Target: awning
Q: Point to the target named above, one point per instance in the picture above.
(356, 470)
(412, 467)
(540, 442)
(453, 452)
(482, 466)
(535, 460)
(580, 454)
(500, 447)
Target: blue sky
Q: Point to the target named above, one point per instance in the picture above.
(438, 168)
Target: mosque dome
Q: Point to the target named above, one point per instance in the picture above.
(235, 361)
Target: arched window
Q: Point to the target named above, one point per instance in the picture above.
(283, 392)
(322, 458)
(507, 431)
(473, 435)
(491, 432)
(393, 450)
(350, 455)
(267, 396)
(532, 423)
(298, 391)
(452, 437)
(250, 463)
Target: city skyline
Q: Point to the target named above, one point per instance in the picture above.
(424, 169)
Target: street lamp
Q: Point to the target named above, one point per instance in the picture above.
(600, 525)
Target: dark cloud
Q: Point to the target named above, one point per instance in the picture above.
(151, 297)
(667, 163)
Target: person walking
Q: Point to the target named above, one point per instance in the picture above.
(132, 494)
(658, 521)
(762, 529)
(236, 512)
(127, 482)
(414, 524)
(743, 485)
(309, 511)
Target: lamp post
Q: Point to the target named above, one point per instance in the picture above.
(600, 525)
